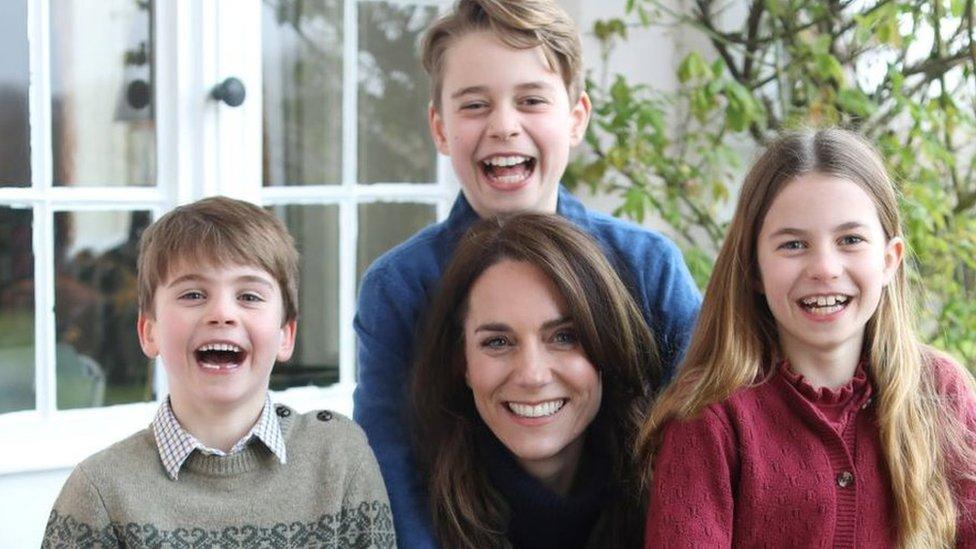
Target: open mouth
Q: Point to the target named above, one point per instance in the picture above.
(508, 170)
(542, 409)
(823, 305)
(219, 356)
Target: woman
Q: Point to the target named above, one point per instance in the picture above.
(534, 372)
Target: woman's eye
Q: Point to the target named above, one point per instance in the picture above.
(497, 342)
(566, 337)
(533, 101)
(251, 297)
(192, 295)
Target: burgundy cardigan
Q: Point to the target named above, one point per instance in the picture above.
(765, 468)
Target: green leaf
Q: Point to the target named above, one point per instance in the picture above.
(829, 67)
(958, 7)
(855, 101)
(692, 67)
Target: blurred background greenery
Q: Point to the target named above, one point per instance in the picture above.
(900, 72)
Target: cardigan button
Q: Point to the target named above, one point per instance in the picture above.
(867, 403)
(324, 415)
(845, 479)
(282, 411)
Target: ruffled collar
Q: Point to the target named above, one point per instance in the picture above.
(825, 395)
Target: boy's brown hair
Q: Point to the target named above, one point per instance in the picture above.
(519, 24)
(219, 231)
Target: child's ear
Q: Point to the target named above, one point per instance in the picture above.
(580, 114)
(894, 253)
(436, 123)
(146, 326)
(287, 340)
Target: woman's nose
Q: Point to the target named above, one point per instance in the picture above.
(533, 366)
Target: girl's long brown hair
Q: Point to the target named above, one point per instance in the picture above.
(467, 511)
(736, 339)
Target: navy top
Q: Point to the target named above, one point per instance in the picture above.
(538, 517)
(398, 287)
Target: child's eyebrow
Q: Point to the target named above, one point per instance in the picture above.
(193, 277)
(527, 86)
(792, 231)
(186, 278)
(545, 86)
(256, 279)
(469, 91)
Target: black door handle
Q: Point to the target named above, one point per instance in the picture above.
(231, 91)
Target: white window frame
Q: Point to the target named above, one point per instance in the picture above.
(203, 148)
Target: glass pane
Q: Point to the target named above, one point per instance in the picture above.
(302, 67)
(103, 123)
(316, 357)
(14, 80)
(17, 304)
(383, 225)
(99, 361)
(394, 144)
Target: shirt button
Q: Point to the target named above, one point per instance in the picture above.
(324, 415)
(867, 403)
(282, 411)
(845, 479)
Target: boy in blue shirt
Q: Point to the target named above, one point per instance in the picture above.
(507, 105)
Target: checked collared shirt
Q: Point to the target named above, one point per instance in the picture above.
(175, 444)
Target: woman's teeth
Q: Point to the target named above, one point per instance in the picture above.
(542, 409)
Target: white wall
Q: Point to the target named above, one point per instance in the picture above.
(25, 503)
(650, 57)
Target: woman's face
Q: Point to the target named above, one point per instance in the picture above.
(532, 383)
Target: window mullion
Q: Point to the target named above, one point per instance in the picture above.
(348, 237)
(45, 384)
(348, 209)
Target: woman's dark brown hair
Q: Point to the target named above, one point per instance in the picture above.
(467, 511)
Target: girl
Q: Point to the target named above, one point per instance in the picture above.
(807, 413)
(532, 381)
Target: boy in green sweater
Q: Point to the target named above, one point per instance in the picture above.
(221, 465)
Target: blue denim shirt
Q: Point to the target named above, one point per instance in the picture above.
(398, 287)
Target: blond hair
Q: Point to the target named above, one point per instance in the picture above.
(218, 231)
(519, 24)
(736, 339)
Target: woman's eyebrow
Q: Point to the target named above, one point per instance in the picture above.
(493, 327)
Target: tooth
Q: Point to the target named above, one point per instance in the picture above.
(831, 301)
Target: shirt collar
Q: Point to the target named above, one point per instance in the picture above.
(175, 444)
(463, 215)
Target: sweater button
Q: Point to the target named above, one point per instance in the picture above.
(324, 415)
(845, 479)
(282, 411)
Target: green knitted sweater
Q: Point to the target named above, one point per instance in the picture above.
(328, 494)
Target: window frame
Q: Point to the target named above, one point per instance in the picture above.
(202, 148)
